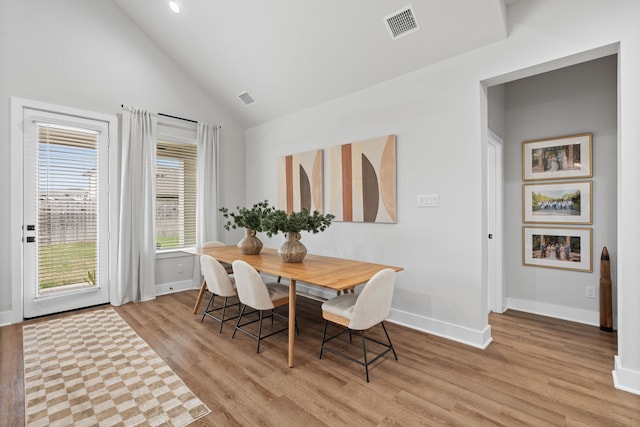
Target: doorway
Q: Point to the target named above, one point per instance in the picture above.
(495, 283)
(65, 210)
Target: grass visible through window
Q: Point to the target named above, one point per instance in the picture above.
(167, 242)
(63, 264)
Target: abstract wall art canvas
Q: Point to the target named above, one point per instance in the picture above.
(363, 181)
(300, 182)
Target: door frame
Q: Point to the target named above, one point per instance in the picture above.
(495, 292)
(17, 107)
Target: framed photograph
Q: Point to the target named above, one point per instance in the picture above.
(558, 203)
(563, 248)
(557, 158)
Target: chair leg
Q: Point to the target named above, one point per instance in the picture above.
(206, 309)
(238, 321)
(259, 337)
(260, 331)
(324, 334)
(364, 351)
(224, 309)
(389, 339)
(365, 361)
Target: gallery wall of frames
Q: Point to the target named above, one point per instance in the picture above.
(557, 202)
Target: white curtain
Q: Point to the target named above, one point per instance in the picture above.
(207, 183)
(207, 193)
(136, 239)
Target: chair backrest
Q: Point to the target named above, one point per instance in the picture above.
(252, 290)
(374, 302)
(212, 244)
(218, 281)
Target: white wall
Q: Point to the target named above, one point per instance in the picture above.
(87, 54)
(577, 99)
(438, 115)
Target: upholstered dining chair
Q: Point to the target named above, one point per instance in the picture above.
(209, 244)
(218, 284)
(217, 244)
(360, 312)
(255, 293)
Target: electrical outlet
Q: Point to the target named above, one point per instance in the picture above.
(590, 292)
(180, 268)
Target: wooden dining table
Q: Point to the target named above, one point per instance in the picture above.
(337, 274)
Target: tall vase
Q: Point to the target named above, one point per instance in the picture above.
(250, 244)
(292, 249)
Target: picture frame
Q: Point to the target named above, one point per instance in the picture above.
(557, 158)
(362, 181)
(547, 248)
(301, 181)
(568, 202)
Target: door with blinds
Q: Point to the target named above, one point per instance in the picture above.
(66, 210)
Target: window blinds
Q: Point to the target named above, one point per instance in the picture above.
(67, 206)
(175, 195)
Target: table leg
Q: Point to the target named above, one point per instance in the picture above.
(200, 294)
(292, 319)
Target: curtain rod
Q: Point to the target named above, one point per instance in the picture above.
(173, 117)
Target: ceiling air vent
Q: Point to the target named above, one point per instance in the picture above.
(246, 98)
(401, 23)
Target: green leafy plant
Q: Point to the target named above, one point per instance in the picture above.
(91, 278)
(278, 220)
(247, 217)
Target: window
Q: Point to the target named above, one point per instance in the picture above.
(175, 195)
(67, 227)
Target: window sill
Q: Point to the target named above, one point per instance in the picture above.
(173, 253)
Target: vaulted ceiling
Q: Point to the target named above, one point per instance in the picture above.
(292, 54)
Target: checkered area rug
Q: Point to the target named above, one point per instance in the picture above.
(92, 369)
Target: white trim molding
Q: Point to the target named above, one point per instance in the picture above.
(16, 123)
(475, 338)
(625, 379)
(571, 314)
(173, 287)
(6, 318)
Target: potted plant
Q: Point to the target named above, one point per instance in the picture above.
(251, 220)
(277, 220)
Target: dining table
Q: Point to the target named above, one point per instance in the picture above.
(337, 274)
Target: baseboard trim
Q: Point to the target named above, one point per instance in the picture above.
(578, 315)
(6, 318)
(472, 337)
(173, 287)
(479, 339)
(625, 379)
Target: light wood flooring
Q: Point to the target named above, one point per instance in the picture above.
(538, 371)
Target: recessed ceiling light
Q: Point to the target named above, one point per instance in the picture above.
(174, 6)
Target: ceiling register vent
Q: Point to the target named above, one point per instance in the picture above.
(246, 98)
(401, 23)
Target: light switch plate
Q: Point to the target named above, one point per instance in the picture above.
(428, 201)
